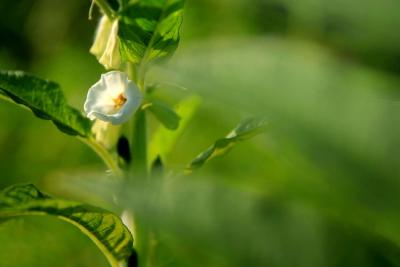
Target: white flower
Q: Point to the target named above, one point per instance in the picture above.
(106, 45)
(113, 98)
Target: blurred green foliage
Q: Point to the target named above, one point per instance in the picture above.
(320, 188)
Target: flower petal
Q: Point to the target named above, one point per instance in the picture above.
(98, 100)
(116, 81)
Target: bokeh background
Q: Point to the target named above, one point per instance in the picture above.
(320, 188)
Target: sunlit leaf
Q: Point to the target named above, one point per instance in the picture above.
(103, 227)
(45, 99)
(149, 29)
(165, 115)
(243, 131)
(163, 140)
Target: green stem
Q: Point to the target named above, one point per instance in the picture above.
(144, 239)
(139, 171)
(104, 155)
(105, 7)
(139, 144)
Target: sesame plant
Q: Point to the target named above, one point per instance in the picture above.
(130, 39)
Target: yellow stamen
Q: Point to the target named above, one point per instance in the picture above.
(119, 101)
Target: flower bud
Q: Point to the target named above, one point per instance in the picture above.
(105, 133)
(106, 44)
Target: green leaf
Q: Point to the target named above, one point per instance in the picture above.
(45, 99)
(103, 227)
(165, 115)
(244, 130)
(164, 140)
(149, 29)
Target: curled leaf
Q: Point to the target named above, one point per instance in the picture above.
(246, 129)
(104, 228)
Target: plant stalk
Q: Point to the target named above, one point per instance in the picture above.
(139, 146)
(105, 7)
(144, 237)
(104, 155)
